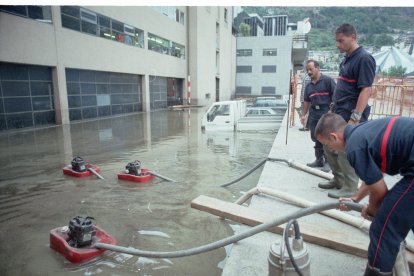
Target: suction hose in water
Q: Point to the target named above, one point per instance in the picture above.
(290, 163)
(232, 239)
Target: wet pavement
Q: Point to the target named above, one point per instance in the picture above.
(36, 197)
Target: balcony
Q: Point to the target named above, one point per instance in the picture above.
(299, 49)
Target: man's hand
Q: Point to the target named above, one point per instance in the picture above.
(302, 120)
(342, 206)
(353, 122)
(365, 213)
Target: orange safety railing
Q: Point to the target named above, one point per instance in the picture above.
(391, 99)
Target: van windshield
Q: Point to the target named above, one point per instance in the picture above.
(218, 110)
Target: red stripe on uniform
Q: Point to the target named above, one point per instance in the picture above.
(319, 94)
(385, 142)
(386, 220)
(347, 80)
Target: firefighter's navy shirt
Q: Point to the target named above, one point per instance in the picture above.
(320, 92)
(356, 71)
(363, 147)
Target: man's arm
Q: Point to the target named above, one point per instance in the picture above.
(362, 192)
(363, 99)
(377, 192)
(360, 106)
(305, 110)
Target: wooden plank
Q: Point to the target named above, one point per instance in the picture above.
(321, 235)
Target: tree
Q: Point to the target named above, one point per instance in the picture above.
(383, 40)
(244, 29)
(397, 71)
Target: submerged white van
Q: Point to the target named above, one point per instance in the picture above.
(223, 115)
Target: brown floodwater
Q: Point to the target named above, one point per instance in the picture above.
(36, 197)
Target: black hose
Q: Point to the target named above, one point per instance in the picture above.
(244, 175)
(232, 239)
(289, 250)
(253, 169)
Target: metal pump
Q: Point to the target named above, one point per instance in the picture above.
(78, 164)
(81, 231)
(133, 168)
(297, 263)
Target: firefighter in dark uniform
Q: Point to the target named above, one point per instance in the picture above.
(380, 146)
(350, 101)
(317, 98)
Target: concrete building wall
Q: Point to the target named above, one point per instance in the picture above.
(210, 43)
(257, 79)
(37, 43)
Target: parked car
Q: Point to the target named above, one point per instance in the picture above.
(278, 105)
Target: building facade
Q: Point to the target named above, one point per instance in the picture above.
(71, 63)
(266, 61)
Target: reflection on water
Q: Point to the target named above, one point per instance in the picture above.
(35, 196)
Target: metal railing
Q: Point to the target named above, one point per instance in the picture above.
(392, 99)
(389, 97)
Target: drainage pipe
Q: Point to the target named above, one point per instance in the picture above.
(161, 176)
(358, 222)
(300, 166)
(95, 173)
(232, 239)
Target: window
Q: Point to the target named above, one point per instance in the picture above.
(269, 69)
(269, 52)
(104, 27)
(38, 13)
(70, 17)
(171, 12)
(244, 69)
(243, 90)
(268, 90)
(93, 94)
(26, 96)
(89, 21)
(164, 46)
(86, 21)
(225, 15)
(182, 17)
(244, 52)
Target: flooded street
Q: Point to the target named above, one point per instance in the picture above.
(35, 196)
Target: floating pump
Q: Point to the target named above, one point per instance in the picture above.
(297, 262)
(79, 168)
(76, 241)
(134, 172)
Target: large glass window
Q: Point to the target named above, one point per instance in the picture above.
(164, 46)
(83, 20)
(26, 96)
(39, 13)
(165, 92)
(93, 94)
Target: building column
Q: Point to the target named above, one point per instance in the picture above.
(60, 95)
(146, 99)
